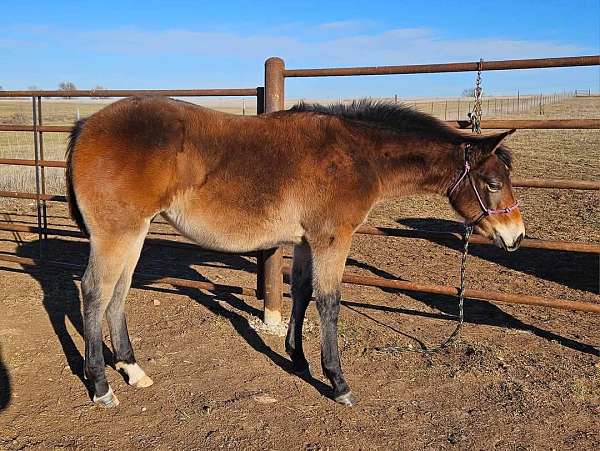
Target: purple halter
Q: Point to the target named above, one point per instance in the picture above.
(466, 173)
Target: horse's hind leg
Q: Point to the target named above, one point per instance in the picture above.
(115, 314)
(329, 258)
(301, 294)
(108, 257)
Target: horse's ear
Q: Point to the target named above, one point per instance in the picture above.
(483, 146)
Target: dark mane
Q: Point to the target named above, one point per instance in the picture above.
(397, 117)
(384, 114)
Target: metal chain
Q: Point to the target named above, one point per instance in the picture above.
(475, 118)
(461, 299)
(475, 115)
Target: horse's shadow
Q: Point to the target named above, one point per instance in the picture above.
(5, 386)
(561, 267)
(487, 313)
(62, 300)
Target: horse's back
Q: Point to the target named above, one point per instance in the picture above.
(125, 156)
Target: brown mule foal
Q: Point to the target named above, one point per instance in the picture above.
(308, 176)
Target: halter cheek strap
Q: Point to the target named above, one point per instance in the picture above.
(485, 211)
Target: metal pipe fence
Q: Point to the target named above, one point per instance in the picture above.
(39, 164)
(274, 97)
(270, 267)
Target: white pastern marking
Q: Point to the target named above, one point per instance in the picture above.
(134, 372)
(108, 400)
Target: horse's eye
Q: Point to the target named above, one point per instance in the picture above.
(494, 187)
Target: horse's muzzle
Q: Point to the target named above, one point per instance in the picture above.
(500, 242)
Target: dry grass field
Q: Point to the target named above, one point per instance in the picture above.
(519, 378)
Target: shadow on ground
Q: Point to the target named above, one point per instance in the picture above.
(540, 263)
(62, 300)
(5, 389)
(561, 267)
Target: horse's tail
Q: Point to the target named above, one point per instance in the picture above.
(73, 206)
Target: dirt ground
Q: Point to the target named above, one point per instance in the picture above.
(518, 378)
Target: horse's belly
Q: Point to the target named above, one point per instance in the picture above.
(243, 235)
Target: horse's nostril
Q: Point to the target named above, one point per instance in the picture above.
(518, 240)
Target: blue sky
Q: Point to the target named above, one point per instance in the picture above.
(186, 44)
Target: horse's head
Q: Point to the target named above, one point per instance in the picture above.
(482, 193)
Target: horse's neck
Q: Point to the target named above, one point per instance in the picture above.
(416, 165)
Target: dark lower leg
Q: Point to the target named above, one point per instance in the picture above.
(301, 294)
(117, 324)
(119, 335)
(93, 311)
(329, 308)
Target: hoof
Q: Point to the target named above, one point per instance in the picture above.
(143, 382)
(346, 399)
(107, 400)
(134, 375)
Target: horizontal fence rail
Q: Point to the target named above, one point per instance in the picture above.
(489, 124)
(235, 92)
(44, 163)
(538, 63)
(524, 124)
(451, 237)
(442, 237)
(486, 295)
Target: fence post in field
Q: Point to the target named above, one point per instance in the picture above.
(273, 258)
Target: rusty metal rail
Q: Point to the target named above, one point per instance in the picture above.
(45, 163)
(487, 295)
(489, 124)
(540, 63)
(33, 128)
(531, 124)
(234, 92)
(450, 237)
(441, 237)
(33, 196)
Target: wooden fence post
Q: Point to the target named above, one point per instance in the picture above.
(272, 259)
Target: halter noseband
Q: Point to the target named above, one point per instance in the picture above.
(466, 173)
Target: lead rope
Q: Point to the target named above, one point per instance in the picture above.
(475, 118)
(461, 300)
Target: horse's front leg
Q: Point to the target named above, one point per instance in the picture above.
(329, 258)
